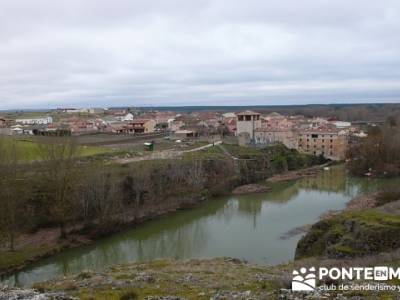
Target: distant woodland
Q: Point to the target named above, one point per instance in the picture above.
(346, 112)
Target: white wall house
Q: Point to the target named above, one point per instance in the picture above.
(35, 121)
(127, 117)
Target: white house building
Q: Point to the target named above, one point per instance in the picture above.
(35, 121)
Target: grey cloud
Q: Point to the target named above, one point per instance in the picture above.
(124, 52)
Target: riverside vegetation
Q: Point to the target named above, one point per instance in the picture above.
(87, 198)
(379, 153)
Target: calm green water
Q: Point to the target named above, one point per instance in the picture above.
(248, 227)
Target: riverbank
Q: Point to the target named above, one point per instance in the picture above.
(263, 187)
(193, 234)
(310, 172)
(32, 247)
(368, 225)
(138, 199)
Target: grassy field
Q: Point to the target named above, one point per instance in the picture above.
(29, 150)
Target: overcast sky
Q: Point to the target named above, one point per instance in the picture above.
(202, 52)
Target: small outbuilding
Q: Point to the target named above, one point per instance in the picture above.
(149, 146)
(181, 134)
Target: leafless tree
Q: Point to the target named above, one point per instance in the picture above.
(12, 194)
(60, 178)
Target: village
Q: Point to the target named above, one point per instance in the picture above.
(122, 128)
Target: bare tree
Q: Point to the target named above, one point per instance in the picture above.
(60, 177)
(101, 196)
(12, 195)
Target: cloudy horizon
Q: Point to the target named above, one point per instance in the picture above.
(208, 52)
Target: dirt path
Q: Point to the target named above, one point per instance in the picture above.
(165, 154)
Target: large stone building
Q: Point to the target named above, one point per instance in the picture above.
(268, 136)
(247, 122)
(328, 142)
(315, 136)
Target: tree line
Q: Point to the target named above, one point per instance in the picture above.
(379, 152)
(66, 191)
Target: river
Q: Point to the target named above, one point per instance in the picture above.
(248, 227)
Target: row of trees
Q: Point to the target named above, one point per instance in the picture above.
(65, 191)
(346, 112)
(71, 193)
(379, 152)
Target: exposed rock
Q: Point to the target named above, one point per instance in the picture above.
(142, 276)
(392, 208)
(286, 294)
(362, 202)
(228, 295)
(351, 234)
(164, 298)
(250, 188)
(295, 231)
(329, 214)
(294, 175)
(196, 279)
(29, 294)
(284, 177)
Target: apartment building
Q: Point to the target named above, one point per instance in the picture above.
(268, 136)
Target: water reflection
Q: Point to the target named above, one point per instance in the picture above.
(246, 227)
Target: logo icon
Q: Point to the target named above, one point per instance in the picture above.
(305, 280)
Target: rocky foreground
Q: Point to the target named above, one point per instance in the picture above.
(364, 228)
(211, 279)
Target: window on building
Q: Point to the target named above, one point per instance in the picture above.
(248, 118)
(314, 136)
(240, 118)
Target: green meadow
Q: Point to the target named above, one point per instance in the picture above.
(29, 150)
